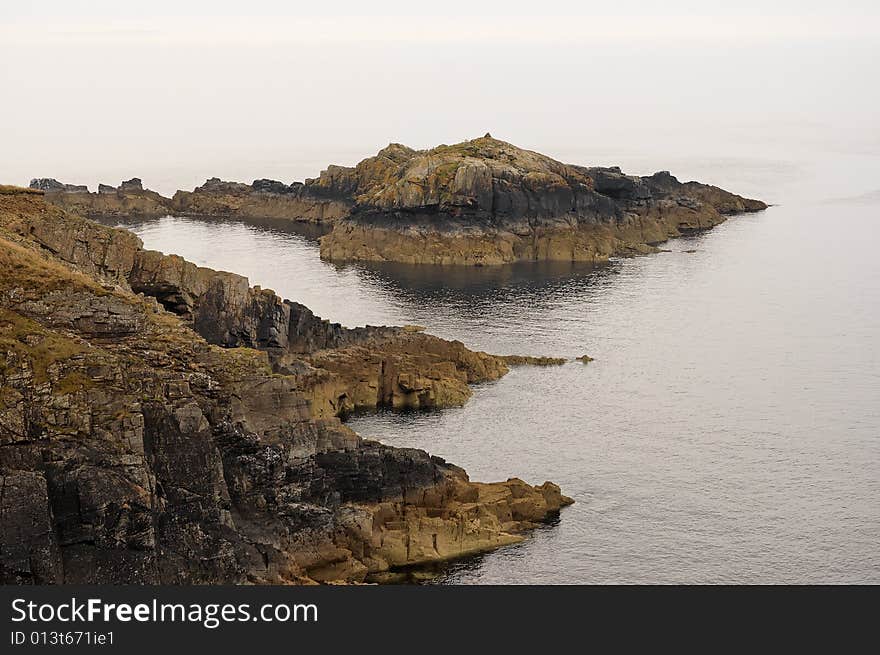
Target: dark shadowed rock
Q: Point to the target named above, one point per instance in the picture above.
(270, 186)
(614, 184)
(132, 185)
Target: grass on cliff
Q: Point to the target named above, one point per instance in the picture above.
(242, 363)
(11, 189)
(30, 340)
(29, 270)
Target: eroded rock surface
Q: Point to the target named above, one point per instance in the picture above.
(165, 423)
(486, 202)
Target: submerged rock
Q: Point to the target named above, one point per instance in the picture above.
(528, 360)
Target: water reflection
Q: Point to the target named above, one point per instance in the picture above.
(279, 226)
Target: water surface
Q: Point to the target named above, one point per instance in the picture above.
(729, 427)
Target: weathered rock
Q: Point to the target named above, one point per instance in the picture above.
(272, 186)
(133, 185)
(487, 202)
(134, 451)
(263, 199)
(28, 544)
(129, 199)
(53, 185)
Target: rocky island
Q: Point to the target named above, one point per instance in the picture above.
(480, 202)
(166, 423)
(485, 202)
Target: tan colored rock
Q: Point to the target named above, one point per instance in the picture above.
(129, 199)
(487, 202)
(268, 200)
(408, 371)
(455, 519)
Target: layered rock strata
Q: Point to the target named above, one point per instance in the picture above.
(165, 423)
(262, 199)
(485, 202)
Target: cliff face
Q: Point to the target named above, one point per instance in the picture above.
(488, 202)
(161, 422)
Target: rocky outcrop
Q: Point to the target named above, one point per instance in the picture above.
(50, 184)
(262, 199)
(165, 423)
(129, 199)
(487, 202)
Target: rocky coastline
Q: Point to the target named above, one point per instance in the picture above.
(487, 202)
(162, 422)
(263, 199)
(476, 203)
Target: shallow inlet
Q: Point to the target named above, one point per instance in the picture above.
(729, 429)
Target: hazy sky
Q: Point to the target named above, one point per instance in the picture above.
(177, 91)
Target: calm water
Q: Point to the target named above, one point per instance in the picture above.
(729, 429)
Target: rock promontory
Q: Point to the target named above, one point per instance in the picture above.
(166, 423)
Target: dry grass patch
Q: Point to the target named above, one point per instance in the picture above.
(28, 339)
(11, 189)
(28, 269)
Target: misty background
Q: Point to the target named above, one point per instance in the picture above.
(99, 92)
